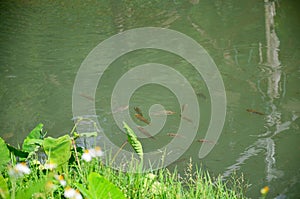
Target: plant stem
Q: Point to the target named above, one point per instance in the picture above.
(113, 159)
(76, 154)
(13, 184)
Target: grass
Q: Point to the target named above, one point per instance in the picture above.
(159, 184)
(94, 179)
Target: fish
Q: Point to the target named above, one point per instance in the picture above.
(169, 112)
(87, 97)
(165, 112)
(207, 141)
(141, 118)
(175, 135)
(183, 108)
(254, 111)
(187, 119)
(138, 111)
(120, 109)
(145, 132)
(201, 95)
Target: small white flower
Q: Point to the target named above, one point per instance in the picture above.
(19, 170)
(72, 193)
(77, 195)
(61, 180)
(92, 152)
(22, 168)
(13, 172)
(86, 156)
(69, 192)
(98, 151)
(89, 154)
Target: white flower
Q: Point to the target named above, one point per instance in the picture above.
(89, 154)
(98, 151)
(86, 156)
(78, 195)
(61, 180)
(22, 168)
(69, 192)
(19, 170)
(72, 193)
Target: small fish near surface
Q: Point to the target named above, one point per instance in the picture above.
(165, 112)
(206, 141)
(90, 98)
(138, 111)
(139, 115)
(183, 108)
(254, 111)
(201, 95)
(145, 132)
(120, 109)
(187, 119)
(141, 118)
(175, 135)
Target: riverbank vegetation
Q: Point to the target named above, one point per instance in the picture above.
(47, 167)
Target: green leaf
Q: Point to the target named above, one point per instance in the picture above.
(17, 152)
(58, 150)
(33, 141)
(84, 191)
(30, 143)
(133, 141)
(99, 187)
(3, 188)
(4, 154)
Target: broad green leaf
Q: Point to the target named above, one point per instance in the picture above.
(35, 142)
(133, 141)
(36, 134)
(17, 152)
(4, 154)
(58, 150)
(3, 188)
(99, 188)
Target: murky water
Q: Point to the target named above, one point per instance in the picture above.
(254, 44)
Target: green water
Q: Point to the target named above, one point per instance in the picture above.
(44, 43)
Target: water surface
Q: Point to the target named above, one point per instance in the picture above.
(254, 44)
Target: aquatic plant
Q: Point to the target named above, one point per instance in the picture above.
(42, 182)
(99, 187)
(62, 174)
